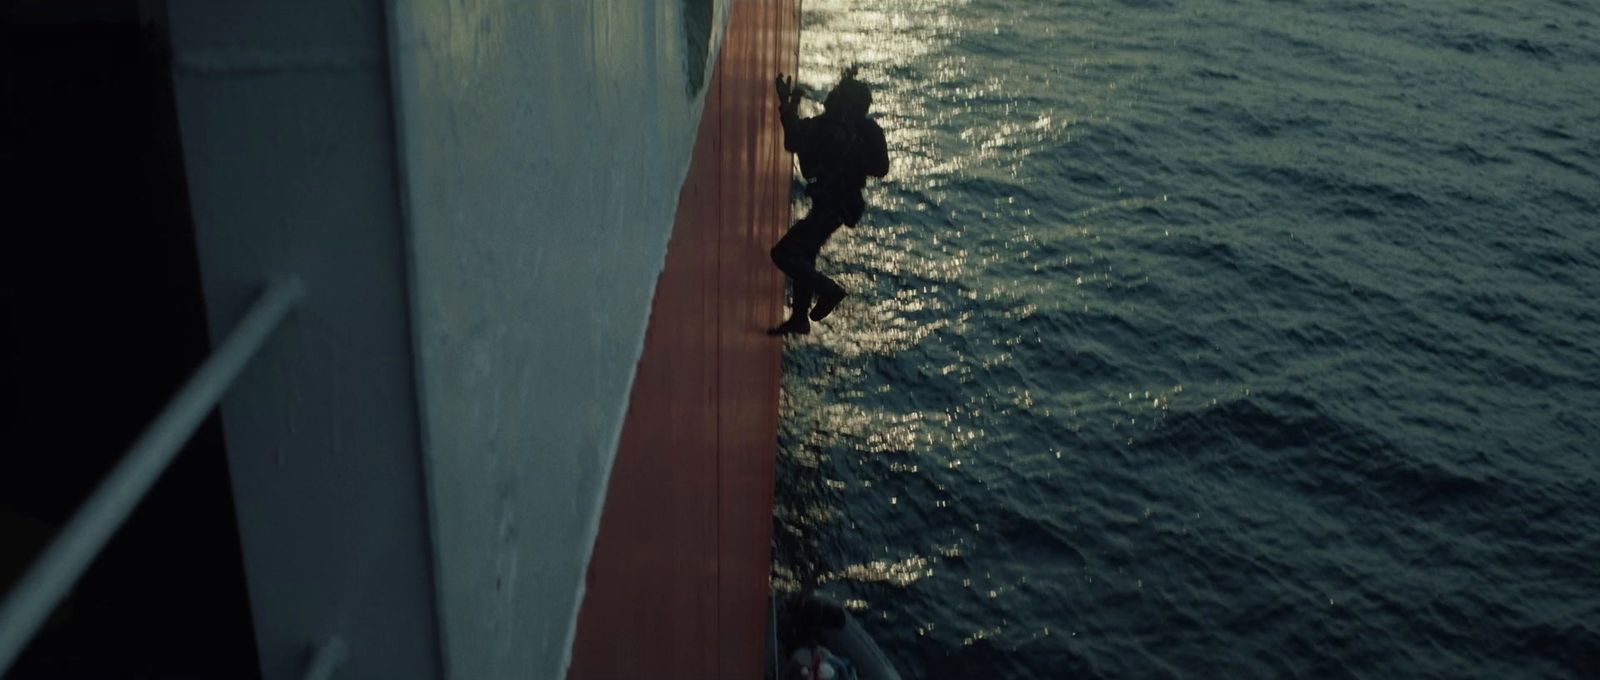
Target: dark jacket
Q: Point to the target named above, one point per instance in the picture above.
(836, 156)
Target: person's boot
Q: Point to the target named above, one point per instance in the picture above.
(827, 299)
(796, 325)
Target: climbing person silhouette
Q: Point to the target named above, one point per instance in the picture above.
(837, 151)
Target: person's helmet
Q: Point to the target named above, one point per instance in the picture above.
(850, 97)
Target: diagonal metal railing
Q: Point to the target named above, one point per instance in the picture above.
(55, 571)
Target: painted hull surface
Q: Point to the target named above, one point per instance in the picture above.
(678, 583)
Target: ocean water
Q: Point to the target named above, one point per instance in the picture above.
(1211, 339)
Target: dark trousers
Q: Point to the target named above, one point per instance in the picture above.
(796, 254)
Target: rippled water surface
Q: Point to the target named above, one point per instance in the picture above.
(1211, 339)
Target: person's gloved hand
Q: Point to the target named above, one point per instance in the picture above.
(788, 93)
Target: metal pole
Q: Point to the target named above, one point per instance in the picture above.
(325, 659)
(64, 561)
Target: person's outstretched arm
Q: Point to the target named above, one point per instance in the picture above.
(795, 129)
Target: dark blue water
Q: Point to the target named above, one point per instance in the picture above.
(1211, 339)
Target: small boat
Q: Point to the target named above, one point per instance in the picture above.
(815, 639)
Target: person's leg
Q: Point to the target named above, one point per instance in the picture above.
(796, 254)
(797, 267)
(827, 291)
(800, 301)
(829, 294)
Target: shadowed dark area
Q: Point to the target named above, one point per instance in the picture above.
(103, 322)
(696, 41)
